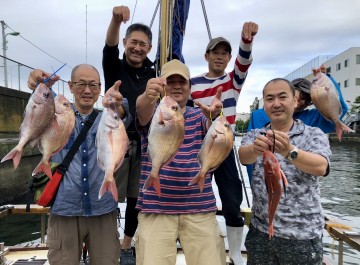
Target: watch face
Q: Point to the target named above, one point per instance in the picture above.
(293, 155)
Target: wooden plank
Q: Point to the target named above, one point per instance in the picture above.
(34, 209)
(338, 232)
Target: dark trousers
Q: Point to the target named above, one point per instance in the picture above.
(230, 191)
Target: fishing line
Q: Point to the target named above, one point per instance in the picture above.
(115, 108)
(48, 79)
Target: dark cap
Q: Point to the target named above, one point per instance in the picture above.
(212, 44)
(302, 84)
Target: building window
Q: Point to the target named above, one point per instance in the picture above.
(346, 83)
(346, 63)
(357, 81)
(338, 67)
(328, 70)
(358, 59)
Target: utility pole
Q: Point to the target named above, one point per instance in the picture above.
(4, 47)
(4, 50)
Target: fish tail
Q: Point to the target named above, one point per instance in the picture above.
(271, 231)
(15, 155)
(153, 181)
(200, 180)
(340, 128)
(108, 186)
(45, 167)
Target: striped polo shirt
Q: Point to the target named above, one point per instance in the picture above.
(176, 196)
(203, 88)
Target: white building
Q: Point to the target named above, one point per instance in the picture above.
(344, 67)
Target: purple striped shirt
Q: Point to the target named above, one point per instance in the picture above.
(176, 196)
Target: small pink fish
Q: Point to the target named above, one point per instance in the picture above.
(166, 134)
(112, 143)
(56, 135)
(39, 112)
(217, 145)
(326, 99)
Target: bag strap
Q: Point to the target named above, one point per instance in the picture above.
(75, 146)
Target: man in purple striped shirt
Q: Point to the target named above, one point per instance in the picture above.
(182, 212)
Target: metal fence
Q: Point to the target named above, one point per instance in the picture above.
(17, 76)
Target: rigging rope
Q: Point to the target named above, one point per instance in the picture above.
(206, 19)
(154, 15)
(132, 17)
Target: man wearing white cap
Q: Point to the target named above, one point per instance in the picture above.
(203, 88)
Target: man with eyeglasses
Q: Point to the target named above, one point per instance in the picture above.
(134, 70)
(203, 88)
(78, 216)
(310, 116)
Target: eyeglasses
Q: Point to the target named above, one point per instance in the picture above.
(82, 85)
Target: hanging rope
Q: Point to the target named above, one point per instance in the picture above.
(206, 19)
(154, 15)
(132, 17)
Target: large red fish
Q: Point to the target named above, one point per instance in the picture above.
(326, 99)
(276, 183)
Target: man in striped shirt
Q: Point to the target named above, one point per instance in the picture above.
(182, 211)
(203, 89)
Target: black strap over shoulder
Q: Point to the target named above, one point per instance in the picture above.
(79, 139)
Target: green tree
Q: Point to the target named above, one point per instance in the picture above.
(356, 106)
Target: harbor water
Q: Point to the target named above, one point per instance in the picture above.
(340, 192)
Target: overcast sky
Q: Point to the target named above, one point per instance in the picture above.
(291, 33)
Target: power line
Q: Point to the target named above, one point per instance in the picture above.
(39, 47)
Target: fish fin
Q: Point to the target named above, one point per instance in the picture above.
(108, 186)
(161, 118)
(15, 155)
(284, 180)
(153, 182)
(340, 128)
(43, 167)
(200, 180)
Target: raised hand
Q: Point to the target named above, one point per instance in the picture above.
(249, 30)
(121, 14)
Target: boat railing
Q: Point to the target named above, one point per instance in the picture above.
(338, 231)
(24, 209)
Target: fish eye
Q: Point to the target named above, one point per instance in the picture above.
(116, 116)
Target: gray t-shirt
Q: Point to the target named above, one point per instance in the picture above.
(299, 214)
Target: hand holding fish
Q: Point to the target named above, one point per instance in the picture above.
(154, 89)
(282, 142)
(214, 110)
(121, 14)
(39, 76)
(249, 30)
(261, 144)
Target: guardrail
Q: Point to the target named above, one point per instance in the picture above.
(18, 75)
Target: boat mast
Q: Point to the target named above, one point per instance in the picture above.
(166, 14)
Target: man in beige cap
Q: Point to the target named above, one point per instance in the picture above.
(203, 88)
(182, 212)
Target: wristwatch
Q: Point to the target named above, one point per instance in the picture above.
(293, 154)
